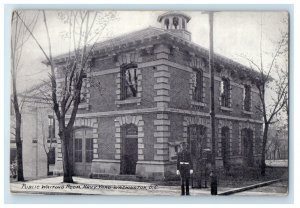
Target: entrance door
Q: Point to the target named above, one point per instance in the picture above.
(83, 152)
(129, 150)
(247, 138)
(197, 143)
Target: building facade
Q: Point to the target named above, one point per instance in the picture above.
(154, 93)
(37, 135)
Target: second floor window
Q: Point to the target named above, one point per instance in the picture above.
(225, 92)
(247, 98)
(197, 85)
(83, 91)
(51, 127)
(129, 82)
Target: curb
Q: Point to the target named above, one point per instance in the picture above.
(237, 190)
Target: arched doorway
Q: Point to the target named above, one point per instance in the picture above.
(129, 149)
(247, 140)
(225, 150)
(82, 151)
(197, 143)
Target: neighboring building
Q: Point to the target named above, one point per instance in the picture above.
(37, 134)
(155, 94)
(277, 144)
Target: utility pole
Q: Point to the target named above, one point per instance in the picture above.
(213, 175)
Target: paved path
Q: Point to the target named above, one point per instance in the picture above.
(276, 189)
(277, 163)
(88, 186)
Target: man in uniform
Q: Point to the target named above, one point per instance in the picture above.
(184, 168)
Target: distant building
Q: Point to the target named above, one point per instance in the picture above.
(277, 145)
(155, 94)
(37, 134)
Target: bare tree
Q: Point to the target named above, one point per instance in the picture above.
(18, 38)
(272, 80)
(84, 30)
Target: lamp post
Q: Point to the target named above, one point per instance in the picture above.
(213, 175)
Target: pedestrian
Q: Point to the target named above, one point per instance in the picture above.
(184, 168)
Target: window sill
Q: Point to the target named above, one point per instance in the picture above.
(83, 106)
(196, 103)
(247, 112)
(226, 109)
(129, 101)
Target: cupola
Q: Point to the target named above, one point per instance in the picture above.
(175, 22)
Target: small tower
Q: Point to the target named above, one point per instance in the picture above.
(175, 22)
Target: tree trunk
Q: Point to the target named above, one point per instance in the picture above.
(263, 152)
(20, 176)
(66, 146)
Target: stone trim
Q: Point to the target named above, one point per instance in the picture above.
(162, 86)
(159, 109)
(221, 124)
(161, 135)
(129, 119)
(85, 122)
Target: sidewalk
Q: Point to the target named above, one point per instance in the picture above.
(88, 186)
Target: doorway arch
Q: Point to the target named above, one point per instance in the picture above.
(82, 151)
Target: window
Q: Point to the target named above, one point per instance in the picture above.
(225, 92)
(247, 98)
(183, 24)
(78, 150)
(175, 22)
(225, 142)
(51, 127)
(83, 91)
(167, 23)
(197, 80)
(89, 150)
(129, 81)
(51, 157)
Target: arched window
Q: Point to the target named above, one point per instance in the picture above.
(175, 22)
(129, 81)
(225, 92)
(167, 23)
(225, 145)
(197, 85)
(247, 140)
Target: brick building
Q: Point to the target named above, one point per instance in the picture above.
(155, 94)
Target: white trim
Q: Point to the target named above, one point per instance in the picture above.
(163, 110)
(223, 108)
(128, 101)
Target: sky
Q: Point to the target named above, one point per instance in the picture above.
(235, 34)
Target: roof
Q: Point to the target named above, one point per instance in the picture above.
(153, 32)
